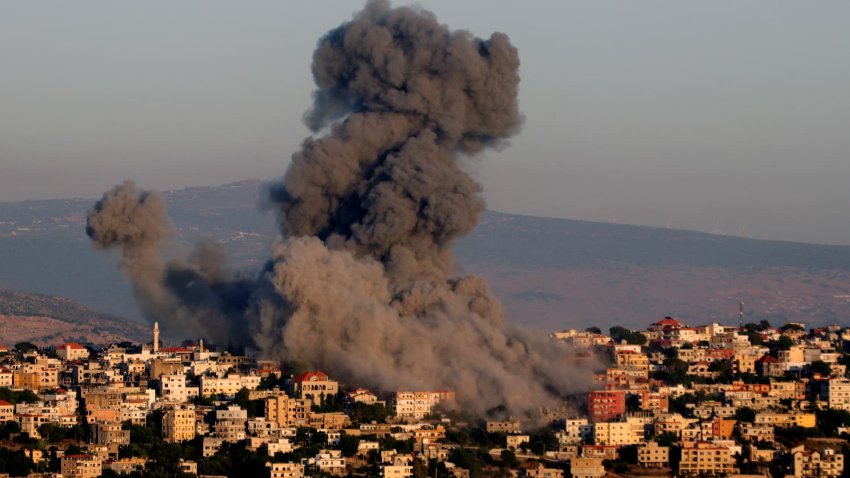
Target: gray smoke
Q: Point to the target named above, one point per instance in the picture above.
(362, 284)
(193, 296)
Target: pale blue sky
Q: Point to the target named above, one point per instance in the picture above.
(644, 112)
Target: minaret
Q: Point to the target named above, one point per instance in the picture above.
(741, 313)
(155, 337)
(201, 346)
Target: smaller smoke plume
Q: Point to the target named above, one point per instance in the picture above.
(198, 295)
(135, 221)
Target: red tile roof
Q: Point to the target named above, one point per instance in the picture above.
(310, 376)
(72, 345)
(669, 321)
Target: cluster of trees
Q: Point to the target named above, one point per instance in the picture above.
(620, 334)
(17, 396)
(14, 462)
(631, 337)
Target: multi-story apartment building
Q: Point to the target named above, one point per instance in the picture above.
(815, 464)
(397, 471)
(230, 423)
(754, 432)
(657, 402)
(503, 426)
(836, 392)
(7, 411)
(109, 433)
(178, 423)
(653, 455)
(286, 470)
(165, 366)
(211, 445)
(572, 434)
(281, 445)
(629, 359)
(228, 386)
(81, 466)
(415, 405)
(788, 390)
(587, 468)
(805, 420)
(173, 388)
(604, 405)
(330, 461)
(285, 411)
(614, 433)
(703, 458)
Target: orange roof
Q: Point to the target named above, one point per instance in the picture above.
(4, 403)
(310, 376)
(72, 345)
(669, 321)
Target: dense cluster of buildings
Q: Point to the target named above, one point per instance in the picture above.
(192, 391)
(711, 400)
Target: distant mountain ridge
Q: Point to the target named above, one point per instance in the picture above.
(551, 273)
(49, 320)
(572, 243)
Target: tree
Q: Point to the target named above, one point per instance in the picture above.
(680, 403)
(14, 462)
(24, 347)
(754, 337)
(629, 454)
(745, 414)
(509, 458)
(830, 419)
(8, 429)
(784, 343)
(467, 459)
(14, 396)
(242, 397)
(538, 447)
(420, 470)
(594, 330)
(73, 450)
(820, 367)
(367, 413)
(667, 439)
(677, 371)
(619, 333)
(348, 444)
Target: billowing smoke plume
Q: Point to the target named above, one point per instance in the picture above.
(195, 296)
(362, 283)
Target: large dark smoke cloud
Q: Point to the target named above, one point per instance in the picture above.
(362, 282)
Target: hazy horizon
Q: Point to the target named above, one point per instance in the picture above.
(658, 113)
